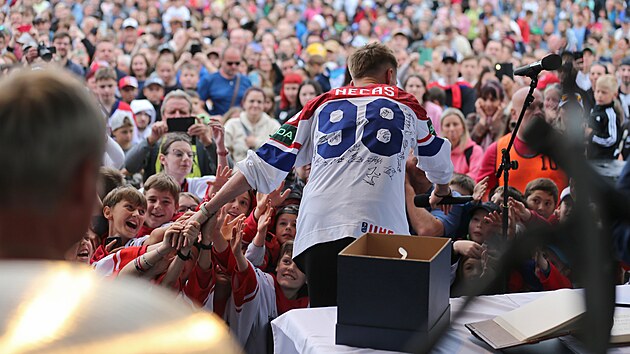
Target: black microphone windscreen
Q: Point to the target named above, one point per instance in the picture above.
(551, 62)
(421, 200)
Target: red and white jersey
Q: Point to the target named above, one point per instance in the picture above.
(357, 140)
(257, 299)
(113, 263)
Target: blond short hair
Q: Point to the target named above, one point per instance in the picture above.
(371, 60)
(608, 82)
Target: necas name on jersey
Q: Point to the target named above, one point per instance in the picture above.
(361, 91)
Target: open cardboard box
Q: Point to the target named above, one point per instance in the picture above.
(378, 292)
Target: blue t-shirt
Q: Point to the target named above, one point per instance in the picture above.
(220, 90)
(452, 220)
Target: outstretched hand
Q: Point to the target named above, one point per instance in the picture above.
(519, 210)
(468, 248)
(265, 219)
(236, 245)
(480, 189)
(229, 224)
(190, 234)
(278, 196)
(223, 175)
(172, 235)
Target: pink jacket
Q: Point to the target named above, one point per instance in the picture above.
(434, 112)
(459, 159)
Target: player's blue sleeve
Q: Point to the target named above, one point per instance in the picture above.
(434, 154)
(290, 146)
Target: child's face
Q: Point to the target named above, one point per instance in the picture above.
(128, 93)
(471, 269)
(478, 229)
(139, 66)
(186, 203)
(603, 95)
(123, 136)
(85, 248)
(125, 219)
(166, 72)
(285, 227)
(106, 89)
(542, 203)
(161, 207)
(91, 84)
(189, 79)
(198, 105)
(268, 105)
(239, 206)
(154, 93)
(289, 275)
(459, 189)
(497, 198)
(565, 208)
(142, 120)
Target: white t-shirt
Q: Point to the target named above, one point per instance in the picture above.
(357, 140)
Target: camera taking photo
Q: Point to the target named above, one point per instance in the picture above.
(44, 52)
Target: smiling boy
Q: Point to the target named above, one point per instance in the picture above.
(162, 194)
(124, 208)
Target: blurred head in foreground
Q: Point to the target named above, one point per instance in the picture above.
(52, 136)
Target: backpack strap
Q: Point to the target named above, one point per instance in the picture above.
(468, 153)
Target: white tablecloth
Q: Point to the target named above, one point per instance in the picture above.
(312, 331)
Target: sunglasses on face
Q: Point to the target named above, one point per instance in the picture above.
(231, 63)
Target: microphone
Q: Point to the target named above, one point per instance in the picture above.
(422, 200)
(550, 62)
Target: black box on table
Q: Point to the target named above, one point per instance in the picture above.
(383, 300)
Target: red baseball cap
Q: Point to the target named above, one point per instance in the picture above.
(546, 80)
(128, 81)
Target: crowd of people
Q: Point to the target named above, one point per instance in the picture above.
(192, 91)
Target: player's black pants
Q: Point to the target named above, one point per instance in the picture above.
(319, 263)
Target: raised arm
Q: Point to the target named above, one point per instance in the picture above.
(190, 234)
(236, 186)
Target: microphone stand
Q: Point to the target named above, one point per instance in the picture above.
(506, 162)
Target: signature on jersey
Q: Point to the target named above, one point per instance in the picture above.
(370, 176)
(390, 171)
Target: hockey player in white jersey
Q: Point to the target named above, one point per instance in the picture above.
(356, 139)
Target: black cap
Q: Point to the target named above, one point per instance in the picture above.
(288, 209)
(487, 206)
(450, 55)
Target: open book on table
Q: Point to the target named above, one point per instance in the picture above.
(552, 315)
